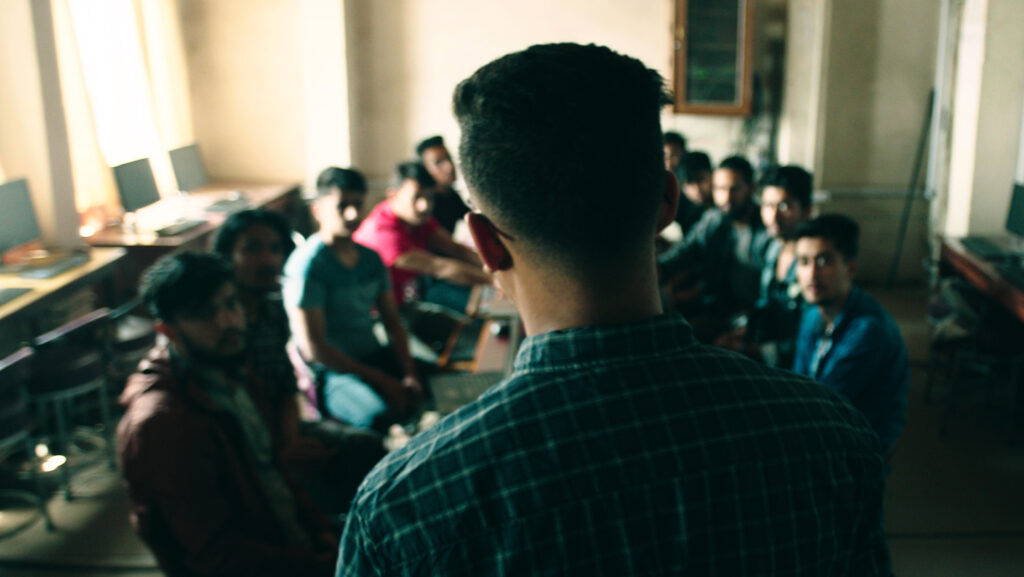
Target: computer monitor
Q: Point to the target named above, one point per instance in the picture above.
(188, 168)
(136, 184)
(18, 224)
(1015, 218)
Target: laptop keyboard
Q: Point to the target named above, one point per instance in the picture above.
(983, 248)
(228, 205)
(54, 268)
(9, 294)
(179, 227)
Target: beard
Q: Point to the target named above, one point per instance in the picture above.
(230, 362)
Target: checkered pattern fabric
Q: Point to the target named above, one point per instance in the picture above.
(630, 450)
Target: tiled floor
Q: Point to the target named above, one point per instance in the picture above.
(955, 506)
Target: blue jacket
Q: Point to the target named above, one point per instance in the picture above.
(866, 362)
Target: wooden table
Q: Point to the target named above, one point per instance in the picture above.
(982, 274)
(45, 293)
(192, 206)
(146, 247)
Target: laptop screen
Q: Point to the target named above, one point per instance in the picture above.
(1015, 218)
(18, 223)
(188, 168)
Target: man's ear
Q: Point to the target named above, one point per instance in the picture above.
(489, 245)
(669, 201)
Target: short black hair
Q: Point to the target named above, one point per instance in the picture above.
(841, 230)
(563, 145)
(239, 222)
(428, 143)
(796, 181)
(673, 137)
(697, 163)
(348, 179)
(413, 170)
(740, 166)
(183, 281)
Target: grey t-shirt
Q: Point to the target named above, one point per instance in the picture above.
(316, 279)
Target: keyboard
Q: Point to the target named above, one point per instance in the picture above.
(1012, 272)
(228, 205)
(179, 227)
(9, 294)
(983, 248)
(54, 268)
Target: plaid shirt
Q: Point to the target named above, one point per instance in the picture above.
(630, 450)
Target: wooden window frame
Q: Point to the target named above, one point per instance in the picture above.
(742, 105)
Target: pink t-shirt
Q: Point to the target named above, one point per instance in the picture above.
(391, 237)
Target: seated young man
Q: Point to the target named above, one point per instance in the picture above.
(724, 253)
(207, 490)
(696, 190)
(847, 340)
(448, 205)
(423, 259)
(332, 288)
(330, 459)
(785, 205)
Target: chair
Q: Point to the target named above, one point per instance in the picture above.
(15, 371)
(72, 363)
(978, 343)
(132, 337)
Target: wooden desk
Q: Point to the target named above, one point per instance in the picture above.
(145, 248)
(268, 196)
(23, 311)
(981, 274)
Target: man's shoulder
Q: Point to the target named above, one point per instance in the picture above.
(304, 257)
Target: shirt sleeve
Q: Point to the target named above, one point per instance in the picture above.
(354, 557)
(303, 285)
(710, 229)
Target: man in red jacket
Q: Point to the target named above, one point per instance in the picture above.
(208, 493)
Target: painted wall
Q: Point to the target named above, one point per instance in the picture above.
(880, 67)
(987, 117)
(33, 134)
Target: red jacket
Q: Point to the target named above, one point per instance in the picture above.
(195, 498)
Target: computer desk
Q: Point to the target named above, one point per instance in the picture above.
(145, 248)
(954, 258)
(277, 197)
(45, 292)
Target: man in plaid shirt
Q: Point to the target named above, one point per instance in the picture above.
(619, 445)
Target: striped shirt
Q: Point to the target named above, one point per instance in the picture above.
(630, 450)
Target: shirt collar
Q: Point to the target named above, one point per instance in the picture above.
(605, 344)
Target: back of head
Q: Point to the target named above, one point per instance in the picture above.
(412, 170)
(182, 282)
(239, 222)
(740, 166)
(333, 177)
(796, 181)
(428, 143)
(839, 229)
(562, 147)
(675, 139)
(697, 164)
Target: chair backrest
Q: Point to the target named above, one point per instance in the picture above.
(73, 353)
(15, 373)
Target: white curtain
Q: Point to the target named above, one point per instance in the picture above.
(125, 88)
